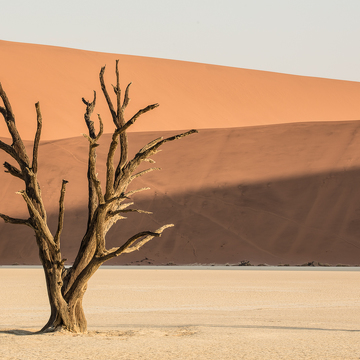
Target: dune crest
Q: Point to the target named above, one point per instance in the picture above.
(191, 95)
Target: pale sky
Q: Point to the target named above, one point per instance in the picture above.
(304, 37)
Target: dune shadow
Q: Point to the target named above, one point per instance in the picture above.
(314, 218)
(299, 204)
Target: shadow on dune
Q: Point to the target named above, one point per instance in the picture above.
(274, 194)
(296, 220)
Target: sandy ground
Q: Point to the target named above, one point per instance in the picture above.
(190, 314)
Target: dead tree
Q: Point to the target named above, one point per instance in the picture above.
(106, 204)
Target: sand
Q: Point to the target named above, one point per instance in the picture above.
(272, 177)
(192, 313)
(191, 95)
(247, 200)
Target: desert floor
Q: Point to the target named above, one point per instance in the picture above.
(190, 313)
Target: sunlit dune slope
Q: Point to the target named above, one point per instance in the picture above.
(191, 95)
(285, 193)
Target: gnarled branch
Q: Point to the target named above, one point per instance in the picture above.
(13, 170)
(9, 150)
(12, 220)
(38, 219)
(87, 116)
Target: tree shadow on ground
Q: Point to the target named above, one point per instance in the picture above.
(19, 332)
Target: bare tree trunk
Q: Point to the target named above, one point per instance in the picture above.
(66, 287)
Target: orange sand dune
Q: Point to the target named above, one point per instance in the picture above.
(191, 95)
(273, 175)
(284, 193)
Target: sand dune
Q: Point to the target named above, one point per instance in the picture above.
(191, 95)
(275, 194)
(272, 176)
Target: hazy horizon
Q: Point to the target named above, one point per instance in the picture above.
(311, 38)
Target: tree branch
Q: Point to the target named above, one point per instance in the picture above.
(120, 117)
(101, 130)
(129, 247)
(147, 239)
(92, 176)
(129, 193)
(141, 173)
(13, 170)
(38, 219)
(3, 111)
(126, 98)
(123, 142)
(17, 145)
(93, 138)
(11, 220)
(107, 97)
(136, 116)
(37, 138)
(117, 212)
(61, 213)
(87, 116)
(150, 144)
(117, 251)
(9, 150)
(144, 154)
(110, 171)
(7, 111)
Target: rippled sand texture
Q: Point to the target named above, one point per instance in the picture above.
(190, 314)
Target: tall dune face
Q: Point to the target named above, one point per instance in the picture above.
(272, 176)
(191, 95)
